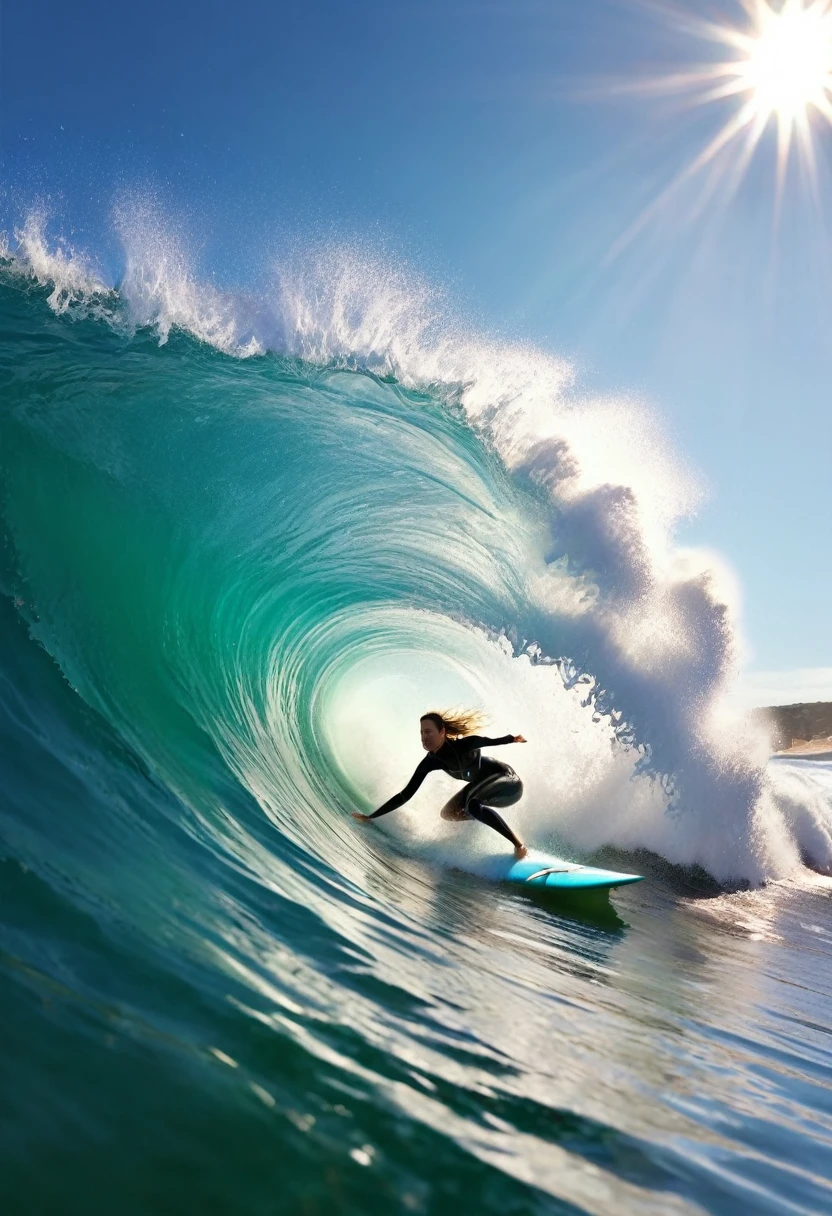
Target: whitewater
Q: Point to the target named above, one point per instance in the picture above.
(249, 537)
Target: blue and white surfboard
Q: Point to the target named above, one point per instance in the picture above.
(540, 870)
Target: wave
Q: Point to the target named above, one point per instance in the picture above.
(260, 532)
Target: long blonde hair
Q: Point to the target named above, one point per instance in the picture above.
(457, 722)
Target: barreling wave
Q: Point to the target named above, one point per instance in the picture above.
(252, 558)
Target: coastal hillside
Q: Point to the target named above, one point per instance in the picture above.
(792, 725)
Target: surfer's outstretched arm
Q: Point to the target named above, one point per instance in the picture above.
(422, 769)
(481, 741)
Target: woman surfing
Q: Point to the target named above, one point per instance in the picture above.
(453, 748)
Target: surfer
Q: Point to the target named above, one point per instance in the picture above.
(454, 749)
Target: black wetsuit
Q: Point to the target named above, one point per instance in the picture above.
(489, 781)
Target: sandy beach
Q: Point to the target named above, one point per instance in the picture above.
(811, 749)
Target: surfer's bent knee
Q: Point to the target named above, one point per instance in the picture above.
(454, 808)
(454, 813)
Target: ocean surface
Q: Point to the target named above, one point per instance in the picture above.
(248, 537)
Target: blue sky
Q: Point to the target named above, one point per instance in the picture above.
(491, 144)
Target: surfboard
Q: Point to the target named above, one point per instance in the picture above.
(539, 870)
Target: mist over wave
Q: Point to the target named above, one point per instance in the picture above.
(388, 512)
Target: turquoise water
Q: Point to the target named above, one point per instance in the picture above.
(230, 586)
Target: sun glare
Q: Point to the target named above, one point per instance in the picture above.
(788, 66)
(780, 69)
(774, 69)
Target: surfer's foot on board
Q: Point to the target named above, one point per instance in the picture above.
(520, 851)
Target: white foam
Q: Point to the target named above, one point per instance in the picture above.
(161, 290)
(71, 274)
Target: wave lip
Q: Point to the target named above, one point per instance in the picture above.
(71, 275)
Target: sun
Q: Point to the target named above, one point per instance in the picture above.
(779, 69)
(789, 67)
(785, 63)
(773, 69)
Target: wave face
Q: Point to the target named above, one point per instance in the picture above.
(248, 540)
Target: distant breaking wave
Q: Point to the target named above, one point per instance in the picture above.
(279, 525)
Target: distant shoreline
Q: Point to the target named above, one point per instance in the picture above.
(803, 730)
(813, 749)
